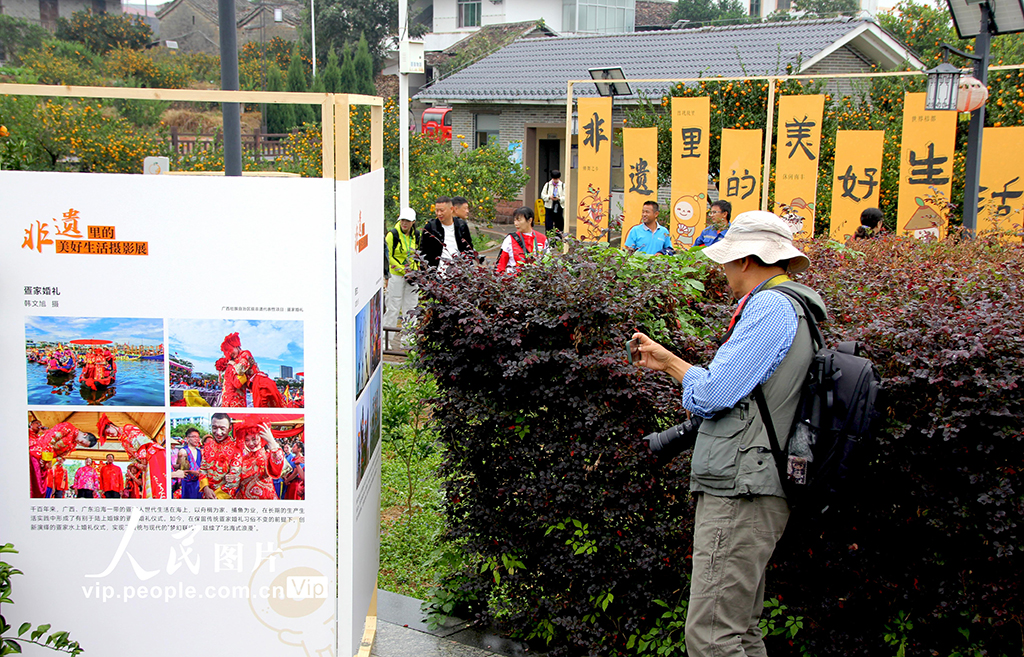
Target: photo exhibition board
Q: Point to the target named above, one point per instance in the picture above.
(165, 341)
(360, 257)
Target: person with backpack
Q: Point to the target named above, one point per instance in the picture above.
(400, 243)
(742, 509)
(520, 246)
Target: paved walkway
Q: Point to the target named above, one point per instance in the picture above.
(401, 632)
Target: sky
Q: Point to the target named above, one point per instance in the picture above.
(272, 343)
(122, 330)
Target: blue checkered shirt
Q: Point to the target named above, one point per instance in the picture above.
(760, 340)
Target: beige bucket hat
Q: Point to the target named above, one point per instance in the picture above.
(762, 234)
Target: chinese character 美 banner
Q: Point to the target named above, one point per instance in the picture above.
(926, 168)
(691, 118)
(1001, 197)
(741, 170)
(593, 177)
(856, 178)
(179, 438)
(640, 152)
(796, 157)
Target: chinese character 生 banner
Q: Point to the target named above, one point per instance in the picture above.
(690, 135)
(926, 168)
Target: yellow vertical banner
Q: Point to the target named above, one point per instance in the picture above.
(1001, 193)
(691, 121)
(640, 157)
(926, 168)
(740, 176)
(797, 147)
(856, 179)
(593, 177)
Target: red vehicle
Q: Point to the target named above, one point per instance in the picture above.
(437, 121)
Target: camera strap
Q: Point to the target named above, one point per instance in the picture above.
(781, 460)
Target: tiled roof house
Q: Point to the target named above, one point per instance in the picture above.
(519, 92)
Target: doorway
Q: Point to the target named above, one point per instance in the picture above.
(548, 160)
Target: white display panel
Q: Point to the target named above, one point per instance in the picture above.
(191, 260)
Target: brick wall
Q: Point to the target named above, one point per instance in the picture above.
(845, 60)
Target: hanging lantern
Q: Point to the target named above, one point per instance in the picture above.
(942, 88)
(973, 94)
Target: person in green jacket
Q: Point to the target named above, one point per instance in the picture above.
(400, 243)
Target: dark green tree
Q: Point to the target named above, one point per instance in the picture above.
(331, 75)
(362, 63)
(348, 72)
(699, 12)
(827, 7)
(280, 118)
(340, 22)
(296, 81)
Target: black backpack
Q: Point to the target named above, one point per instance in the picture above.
(832, 422)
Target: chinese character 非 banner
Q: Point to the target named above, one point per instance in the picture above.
(1001, 197)
(856, 179)
(640, 151)
(690, 135)
(926, 168)
(740, 178)
(593, 177)
(796, 157)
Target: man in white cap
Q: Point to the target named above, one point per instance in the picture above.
(399, 245)
(741, 507)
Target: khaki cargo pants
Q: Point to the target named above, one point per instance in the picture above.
(733, 539)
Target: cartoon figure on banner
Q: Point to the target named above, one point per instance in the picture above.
(688, 210)
(303, 616)
(793, 218)
(926, 221)
(591, 212)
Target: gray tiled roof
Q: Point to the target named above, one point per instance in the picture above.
(538, 69)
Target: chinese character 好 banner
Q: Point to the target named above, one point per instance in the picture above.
(796, 157)
(926, 168)
(855, 181)
(593, 177)
(640, 152)
(690, 135)
(1001, 197)
(740, 178)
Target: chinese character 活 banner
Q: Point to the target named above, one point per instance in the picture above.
(740, 178)
(690, 135)
(796, 157)
(640, 152)
(856, 179)
(1001, 197)
(593, 177)
(926, 168)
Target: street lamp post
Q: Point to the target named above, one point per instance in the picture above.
(981, 19)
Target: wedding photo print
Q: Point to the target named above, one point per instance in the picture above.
(236, 363)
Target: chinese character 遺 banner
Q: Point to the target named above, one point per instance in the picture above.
(640, 152)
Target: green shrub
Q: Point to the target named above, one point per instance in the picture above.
(17, 35)
(62, 62)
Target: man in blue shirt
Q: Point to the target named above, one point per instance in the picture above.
(741, 506)
(648, 237)
(719, 215)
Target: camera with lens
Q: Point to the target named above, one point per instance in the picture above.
(671, 442)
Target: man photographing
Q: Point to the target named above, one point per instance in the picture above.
(741, 507)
